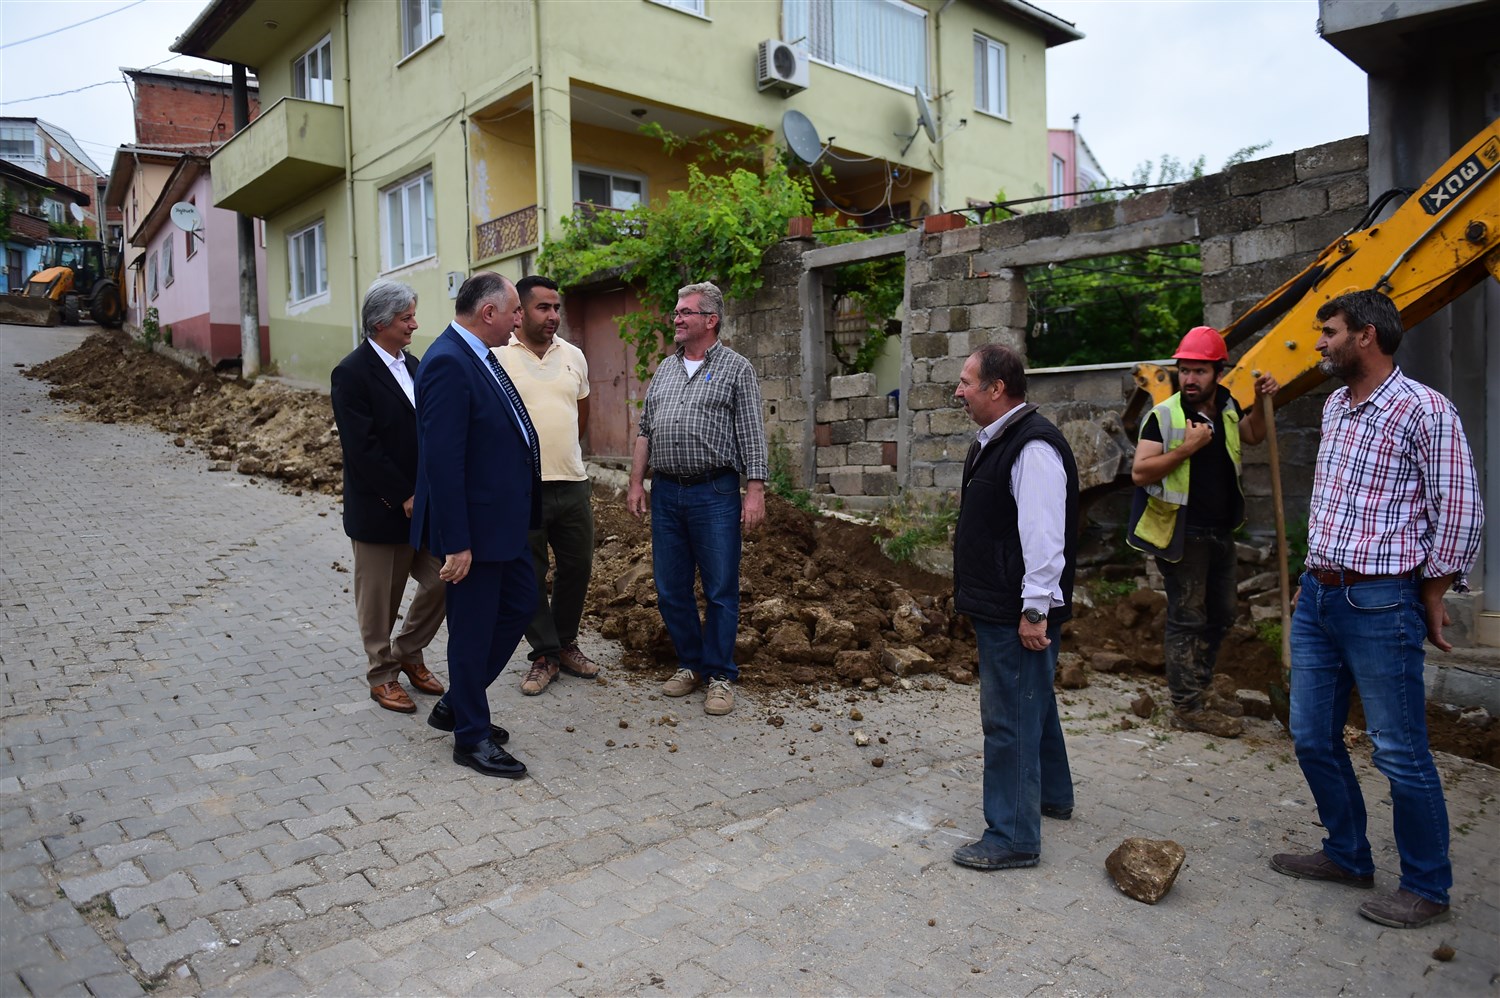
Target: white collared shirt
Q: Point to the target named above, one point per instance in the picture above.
(483, 353)
(397, 367)
(1040, 484)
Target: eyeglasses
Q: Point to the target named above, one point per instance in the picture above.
(683, 313)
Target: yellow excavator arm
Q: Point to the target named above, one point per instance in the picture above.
(1441, 241)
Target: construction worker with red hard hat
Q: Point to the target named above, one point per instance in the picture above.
(1187, 505)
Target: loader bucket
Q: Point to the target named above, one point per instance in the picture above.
(24, 310)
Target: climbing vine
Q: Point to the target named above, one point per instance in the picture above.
(717, 229)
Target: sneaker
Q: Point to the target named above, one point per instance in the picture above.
(720, 698)
(543, 671)
(1404, 910)
(575, 663)
(1228, 706)
(982, 855)
(683, 682)
(1210, 722)
(1317, 866)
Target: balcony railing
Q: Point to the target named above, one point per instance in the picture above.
(506, 234)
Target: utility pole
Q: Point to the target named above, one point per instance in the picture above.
(249, 299)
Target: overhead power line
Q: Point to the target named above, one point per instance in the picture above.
(90, 86)
(69, 27)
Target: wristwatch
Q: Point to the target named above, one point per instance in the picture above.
(1034, 616)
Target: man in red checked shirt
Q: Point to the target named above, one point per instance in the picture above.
(1395, 521)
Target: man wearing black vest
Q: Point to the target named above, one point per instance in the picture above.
(1013, 560)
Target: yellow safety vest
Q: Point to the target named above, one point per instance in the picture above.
(1164, 498)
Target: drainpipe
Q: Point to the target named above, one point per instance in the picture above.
(354, 297)
(249, 298)
(470, 233)
(544, 179)
(937, 92)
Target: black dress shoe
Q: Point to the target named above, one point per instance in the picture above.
(489, 759)
(442, 719)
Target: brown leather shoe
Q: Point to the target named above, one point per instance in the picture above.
(1404, 910)
(1317, 866)
(542, 672)
(392, 697)
(575, 663)
(422, 679)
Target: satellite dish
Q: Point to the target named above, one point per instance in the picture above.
(185, 216)
(76, 212)
(925, 122)
(56, 156)
(802, 137)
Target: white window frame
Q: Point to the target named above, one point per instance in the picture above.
(191, 240)
(409, 250)
(1059, 180)
(151, 276)
(429, 22)
(167, 277)
(18, 134)
(811, 26)
(319, 58)
(580, 169)
(991, 77)
(694, 7)
(297, 289)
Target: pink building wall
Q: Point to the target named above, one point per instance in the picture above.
(202, 305)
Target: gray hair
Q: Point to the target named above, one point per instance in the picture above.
(710, 297)
(383, 302)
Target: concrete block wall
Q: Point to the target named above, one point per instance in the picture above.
(855, 435)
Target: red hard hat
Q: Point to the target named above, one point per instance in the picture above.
(1202, 343)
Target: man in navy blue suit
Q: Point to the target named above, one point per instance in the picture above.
(478, 495)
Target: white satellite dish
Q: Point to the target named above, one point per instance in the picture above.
(76, 212)
(185, 216)
(925, 121)
(802, 137)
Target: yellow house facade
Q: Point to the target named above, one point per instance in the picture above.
(422, 141)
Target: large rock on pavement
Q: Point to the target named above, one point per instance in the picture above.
(1146, 869)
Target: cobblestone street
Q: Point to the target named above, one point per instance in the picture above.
(200, 797)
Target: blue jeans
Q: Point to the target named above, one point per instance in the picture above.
(1369, 636)
(1025, 759)
(695, 530)
(1200, 610)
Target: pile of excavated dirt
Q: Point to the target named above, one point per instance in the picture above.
(821, 605)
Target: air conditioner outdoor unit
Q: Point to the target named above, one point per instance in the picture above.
(780, 67)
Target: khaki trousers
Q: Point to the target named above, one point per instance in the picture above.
(380, 574)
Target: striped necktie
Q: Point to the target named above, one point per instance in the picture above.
(520, 408)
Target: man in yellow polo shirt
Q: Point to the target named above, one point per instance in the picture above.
(553, 379)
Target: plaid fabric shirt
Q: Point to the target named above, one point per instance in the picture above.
(709, 420)
(1395, 488)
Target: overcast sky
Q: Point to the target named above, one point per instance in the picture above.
(1152, 77)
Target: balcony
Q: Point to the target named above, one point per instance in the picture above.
(506, 234)
(292, 149)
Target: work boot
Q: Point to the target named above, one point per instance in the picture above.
(1210, 722)
(1226, 705)
(543, 671)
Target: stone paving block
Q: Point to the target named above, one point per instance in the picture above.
(341, 956)
(319, 898)
(245, 922)
(179, 913)
(261, 886)
(130, 899)
(115, 985)
(154, 955)
(407, 905)
(81, 889)
(55, 976)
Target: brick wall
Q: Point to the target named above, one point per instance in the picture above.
(185, 115)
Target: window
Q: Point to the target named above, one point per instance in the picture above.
(151, 275)
(192, 237)
(1059, 181)
(312, 75)
(166, 262)
(421, 22)
(609, 190)
(691, 6)
(882, 39)
(307, 257)
(53, 210)
(17, 142)
(408, 221)
(989, 77)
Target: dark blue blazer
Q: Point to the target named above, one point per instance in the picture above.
(378, 431)
(476, 488)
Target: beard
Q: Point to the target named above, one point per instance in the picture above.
(1337, 367)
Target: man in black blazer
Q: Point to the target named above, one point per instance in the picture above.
(374, 405)
(478, 495)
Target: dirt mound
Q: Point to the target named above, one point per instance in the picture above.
(820, 603)
(263, 429)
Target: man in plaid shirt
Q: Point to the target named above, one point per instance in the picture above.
(701, 428)
(1395, 521)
